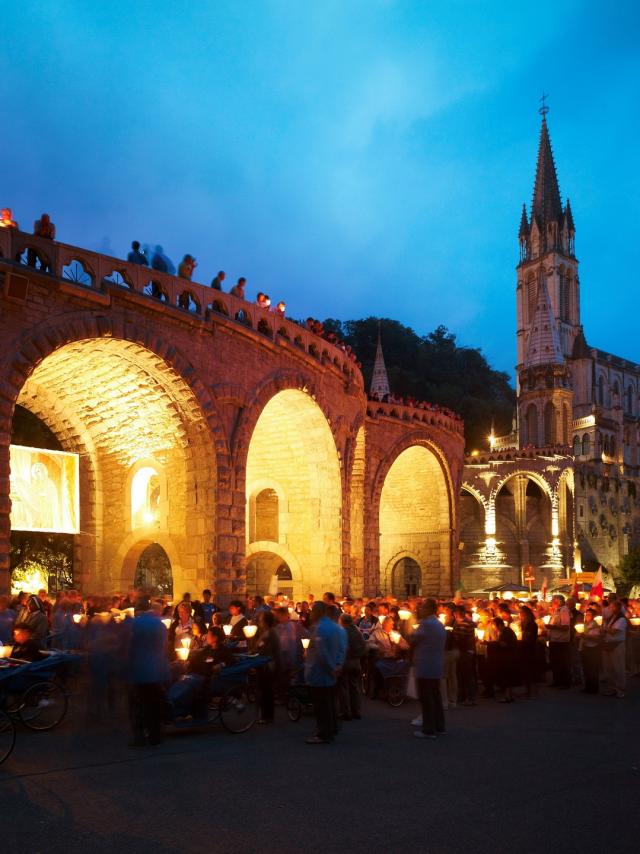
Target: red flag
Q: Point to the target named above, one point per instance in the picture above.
(596, 588)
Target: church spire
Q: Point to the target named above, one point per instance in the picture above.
(544, 340)
(547, 204)
(379, 380)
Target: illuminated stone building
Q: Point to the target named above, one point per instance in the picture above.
(213, 439)
(561, 492)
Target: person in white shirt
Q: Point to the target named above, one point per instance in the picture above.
(559, 630)
(614, 633)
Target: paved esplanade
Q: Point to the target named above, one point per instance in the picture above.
(560, 773)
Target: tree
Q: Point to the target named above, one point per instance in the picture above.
(436, 369)
(627, 575)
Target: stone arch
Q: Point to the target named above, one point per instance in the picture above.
(387, 574)
(130, 551)
(531, 475)
(286, 556)
(85, 354)
(293, 444)
(414, 504)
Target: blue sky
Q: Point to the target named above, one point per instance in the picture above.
(353, 157)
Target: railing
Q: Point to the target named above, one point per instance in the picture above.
(99, 272)
(512, 454)
(430, 417)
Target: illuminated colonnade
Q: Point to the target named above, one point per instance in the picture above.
(147, 473)
(293, 465)
(415, 520)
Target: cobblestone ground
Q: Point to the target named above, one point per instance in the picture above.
(559, 773)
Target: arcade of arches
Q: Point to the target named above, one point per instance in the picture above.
(522, 525)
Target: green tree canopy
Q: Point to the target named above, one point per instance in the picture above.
(627, 576)
(436, 369)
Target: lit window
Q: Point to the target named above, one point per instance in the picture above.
(145, 497)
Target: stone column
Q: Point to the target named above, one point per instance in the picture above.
(520, 512)
(5, 511)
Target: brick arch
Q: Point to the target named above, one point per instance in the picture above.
(429, 539)
(536, 477)
(280, 381)
(28, 351)
(161, 375)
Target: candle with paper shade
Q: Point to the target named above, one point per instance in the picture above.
(404, 614)
(227, 629)
(598, 620)
(185, 643)
(77, 618)
(579, 627)
(442, 618)
(305, 643)
(635, 621)
(166, 622)
(5, 651)
(182, 653)
(250, 631)
(480, 634)
(395, 637)
(546, 619)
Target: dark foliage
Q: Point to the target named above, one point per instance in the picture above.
(434, 368)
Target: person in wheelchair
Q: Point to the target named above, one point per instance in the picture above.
(189, 695)
(385, 645)
(26, 647)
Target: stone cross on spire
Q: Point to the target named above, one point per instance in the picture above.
(379, 380)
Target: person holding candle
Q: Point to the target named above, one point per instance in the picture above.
(591, 652)
(237, 620)
(322, 665)
(614, 633)
(527, 650)
(25, 647)
(559, 628)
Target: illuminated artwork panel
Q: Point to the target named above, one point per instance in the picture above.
(44, 490)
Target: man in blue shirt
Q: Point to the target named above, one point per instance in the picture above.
(428, 643)
(324, 658)
(148, 672)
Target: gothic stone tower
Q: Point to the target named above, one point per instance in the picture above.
(548, 310)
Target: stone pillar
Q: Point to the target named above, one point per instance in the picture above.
(520, 512)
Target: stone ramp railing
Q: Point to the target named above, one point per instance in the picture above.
(99, 272)
(415, 414)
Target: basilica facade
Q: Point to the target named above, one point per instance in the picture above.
(561, 493)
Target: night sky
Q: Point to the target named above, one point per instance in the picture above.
(353, 157)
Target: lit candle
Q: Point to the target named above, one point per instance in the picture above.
(182, 653)
(77, 618)
(404, 614)
(227, 629)
(186, 642)
(166, 622)
(5, 651)
(305, 642)
(546, 619)
(395, 637)
(442, 618)
(480, 634)
(598, 620)
(635, 621)
(130, 612)
(249, 631)
(579, 628)
(475, 617)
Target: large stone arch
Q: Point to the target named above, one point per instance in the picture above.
(428, 519)
(292, 444)
(286, 556)
(94, 366)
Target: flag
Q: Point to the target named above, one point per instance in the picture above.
(545, 585)
(597, 588)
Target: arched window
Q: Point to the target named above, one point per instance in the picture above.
(615, 391)
(145, 497)
(264, 524)
(549, 424)
(532, 425)
(577, 446)
(532, 296)
(605, 446)
(629, 400)
(586, 445)
(612, 447)
(601, 390)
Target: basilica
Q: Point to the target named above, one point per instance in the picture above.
(561, 493)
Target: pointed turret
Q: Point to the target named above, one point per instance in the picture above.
(544, 341)
(379, 380)
(547, 204)
(568, 218)
(524, 224)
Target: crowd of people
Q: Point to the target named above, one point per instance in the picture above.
(409, 400)
(451, 653)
